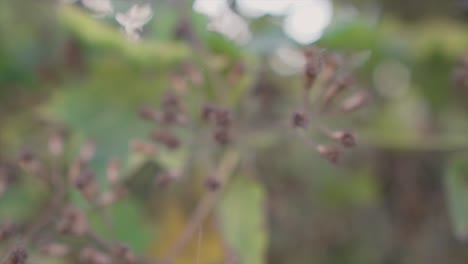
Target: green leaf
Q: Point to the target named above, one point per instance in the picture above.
(350, 35)
(101, 36)
(243, 221)
(456, 187)
(127, 224)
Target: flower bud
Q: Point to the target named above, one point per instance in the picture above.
(346, 138)
(331, 153)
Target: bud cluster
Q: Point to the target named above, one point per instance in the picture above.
(335, 84)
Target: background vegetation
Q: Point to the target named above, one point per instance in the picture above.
(69, 72)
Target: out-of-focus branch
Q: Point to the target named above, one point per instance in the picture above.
(205, 206)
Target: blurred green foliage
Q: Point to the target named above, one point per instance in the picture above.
(292, 208)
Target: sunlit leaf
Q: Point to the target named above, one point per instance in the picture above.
(456, 187)
(243, 220)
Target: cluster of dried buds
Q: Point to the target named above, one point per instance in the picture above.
(69, 221)
(325, 68)
(84, 179)
(221, 120)
(170, 115)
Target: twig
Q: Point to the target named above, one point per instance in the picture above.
(206, 205)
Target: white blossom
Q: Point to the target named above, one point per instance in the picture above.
(134, 19)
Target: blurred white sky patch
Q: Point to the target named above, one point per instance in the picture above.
(307, 19)
(304, 20)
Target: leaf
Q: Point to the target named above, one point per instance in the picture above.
(243, 221)
(456, 188)
(108, 39)
(350, 35)
(127, 224)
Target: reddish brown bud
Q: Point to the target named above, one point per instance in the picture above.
(72, 222)
(222, 136)
(171, 100)
(208, 113)
(223, 118)
(331, 153)
(311, 67)
(299, 120)
(29, 162)
(355, 102)
(148, 113)
(212, 184)
(123, 252)
(166, 138)
(17, 256)
(86, 183)
(345, 138)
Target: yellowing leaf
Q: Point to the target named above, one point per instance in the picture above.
(243, 220)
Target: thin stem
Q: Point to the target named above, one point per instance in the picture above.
(205, 206)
